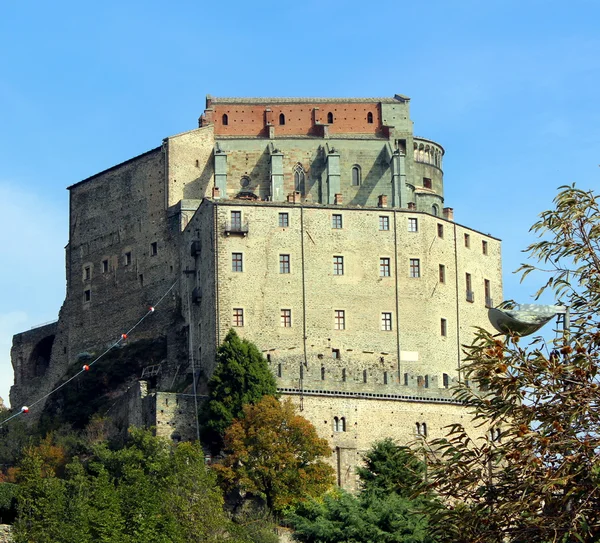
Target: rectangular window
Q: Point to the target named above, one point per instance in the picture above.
(286, 318)
(338, 265)
(413, 225)
(440, 230)
(336, 221)
(488, 293)
(444, 327)
(236, 220)
(384, 267)
(467, 241)
(87, 295)
(386, 321)
(237, 263)
(238, 316)
(427, 182)
(105, 266)
(484, 247)
(128, 258)
(469, 288)
(442, 273)
(339, 319)
(284, 263)
(153, 248)
(384, 222)
(87, 273)
(284, 220)
(415, 267)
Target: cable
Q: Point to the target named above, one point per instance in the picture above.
(86, 367)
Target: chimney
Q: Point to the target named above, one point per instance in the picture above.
(412, 206)
(290, 198)
(297, 197)
(338, 199)
(382, 201)
(448, 213)
(216, 193)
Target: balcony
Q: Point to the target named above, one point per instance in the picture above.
(470, 296)
(236, 229)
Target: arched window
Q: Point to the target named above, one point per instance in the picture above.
(424, 429)
(299, 178)
(330, 118)
(225, 119)
(343, 424)
(336, 424)
(322, 373)
(418, 429)
(356, 175)
(435, 210)
(370, 118)
(281, 118)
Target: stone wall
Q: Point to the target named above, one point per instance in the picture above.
(5, 531)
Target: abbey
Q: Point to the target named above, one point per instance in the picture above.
(315, 227)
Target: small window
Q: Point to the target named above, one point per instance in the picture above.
(236, 220)
(238, 316)
(336, 424)
(225, 119)
(469, 288)
(384, 222)
(87, 273)
(338, 265)
(105, 266)
(446, 380)
(286, 318)
(284, 263)
(344, 374)
(384, 267)
(335, 353)
(141, 278)
(487, 289)
(484, 247)
(370, 118)
(440, 228)
(424, 429)
(435, 210)
(365, 376)
(386, 322)
(322, 373)
(128, 258)
(343, 423)
(415, 268)
(356, 177)
(87, 295)
(385, 377)
(284, 220)
(427, 182)
(336, 221)
(330, 118)
(339, 319)
(444, 327)
(281, 118)
(418, 428)
(153, 248)
(237, 262)
(467, 241)
(413, 224)
(442, 273)
(279, 370)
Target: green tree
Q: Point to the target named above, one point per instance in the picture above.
(241, 377)
(536, 478)
(275, 454)
(383, 511)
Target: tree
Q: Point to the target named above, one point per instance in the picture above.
(241, 377)
(275, 454)
(536, 476)
(385, 509)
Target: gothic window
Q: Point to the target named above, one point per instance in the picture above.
(343, 424)
(356, 175)
(370, 118)
(298, 178)
(435, 210)
(336, 424)
(281, 118)
(225, 119)
(330, 118)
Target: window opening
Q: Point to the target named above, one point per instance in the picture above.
(385, 377)
(284, 263)
(338, 265)
(87, 295)
(335, 353)
(484, 247)
(105, 266)
(370, 118)
(386, 321)
(284, 220)
(384, 223)
(356, 177)
(444, 327)
(488, 295)
(442, 277)
(336, 221)
(330, 118)
(470, 294)
(286, 318)
(279, 370)
(237, 263)
(384, 267)
(415, 268)
(427, 182)
(281, 118)
(343, 374)
(343, 424)
(225, 119)
(435, 210)
(153, 248)
(339, 322)
(128, 258)
(440, 228)
(467, 241)
(87, 273)
(236, 220)
(413, 224)
(364, 376)
(238, 316)
(322, 373)
(299, 178)
(446, 380)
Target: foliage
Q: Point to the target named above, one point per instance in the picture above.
(148, 491)
(94, 392)
(8, 502)
(538, 480)
(384, 510)
(241, 377)
(275, 454)
(13, 437)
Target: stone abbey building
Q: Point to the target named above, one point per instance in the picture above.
(315, 227)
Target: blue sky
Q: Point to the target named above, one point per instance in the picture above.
(509, 88)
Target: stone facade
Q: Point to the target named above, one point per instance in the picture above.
(318, 229)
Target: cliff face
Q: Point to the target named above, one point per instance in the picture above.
(5, 531)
